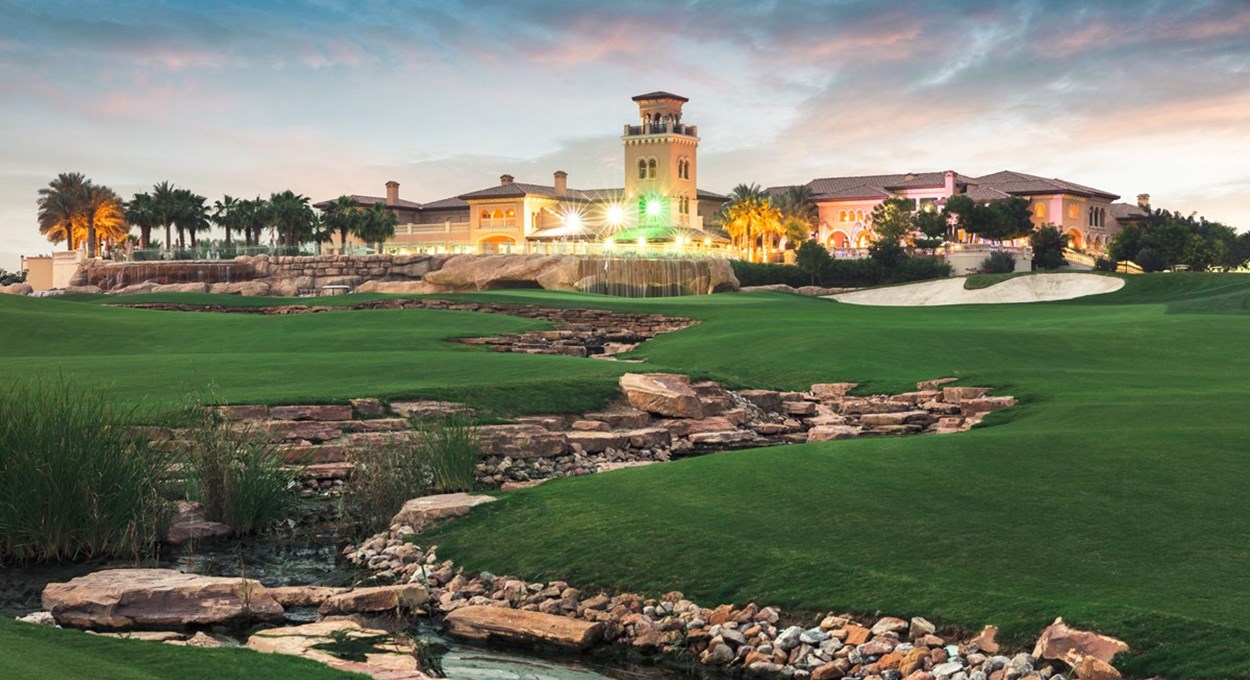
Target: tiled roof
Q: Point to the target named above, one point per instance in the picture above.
(875, 186)
(659, 94)
(519, 189)
(1017, 183)
(703, 194)
(984, 193)
(452, 203)
(359, 199)
(1127, 211)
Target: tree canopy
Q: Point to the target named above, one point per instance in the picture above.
(74, 209)
(1168, 239)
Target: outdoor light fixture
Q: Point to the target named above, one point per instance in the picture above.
(609, 242)
(642, 242)
(615, 214)
(572, 219)
(654, 207)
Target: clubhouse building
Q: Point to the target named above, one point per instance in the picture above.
(660, 207)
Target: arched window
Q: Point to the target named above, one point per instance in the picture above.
(511, 213)
(842, 216)
(485, 215)
(1102, 217)
(498, 214)
(651, 169)
(1039, 210)
(859, 215)
(642, 168)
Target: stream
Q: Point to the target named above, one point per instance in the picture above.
(311, 558)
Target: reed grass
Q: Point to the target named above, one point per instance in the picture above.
(75, 482)
(452, 451)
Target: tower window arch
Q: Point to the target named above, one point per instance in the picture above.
(842, 216)
(642, 168)
(651, 168)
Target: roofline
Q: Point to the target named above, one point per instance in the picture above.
(652, 96)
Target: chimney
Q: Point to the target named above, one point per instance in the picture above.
(562, 183)
(392, 192)
(949, 186)
(505, 180)
(1143, 200)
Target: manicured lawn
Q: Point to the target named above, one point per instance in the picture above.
(37, 652)
(1115, 495)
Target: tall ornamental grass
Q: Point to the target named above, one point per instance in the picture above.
(76, 481)
(452, 451)
(238, 473)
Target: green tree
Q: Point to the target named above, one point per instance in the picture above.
(1048, 244)
(104, 216)
(934, 226)
(226, 215)
(813, 259)
(750, 218)
(798, 212)
(1007, 219)
(253, 215)
(164, 205)
(190, 215)
(892, 219)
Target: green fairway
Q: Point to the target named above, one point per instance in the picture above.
(1115, 494)
(36, 652)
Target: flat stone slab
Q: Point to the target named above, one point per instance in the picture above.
(114, 599)
(377, 599)
(393, 660)
(422, 513)
(518, 626)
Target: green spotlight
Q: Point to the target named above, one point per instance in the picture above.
(654, 207)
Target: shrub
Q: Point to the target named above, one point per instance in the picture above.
(75, 481)
(766, 274)
(238, 473)
(844, 273)
(887, 252)
(1104, 264)
(813, 259)
(998, 262)
(8, 278)
(1151, 260)
(919, 268)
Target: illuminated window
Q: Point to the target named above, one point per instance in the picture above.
(651, 169)
(1074, 212)
(485, 215)
(642, 168)
(842, 216)
(498, 214)
(1040, 211)
(511, 212)
(859, 215)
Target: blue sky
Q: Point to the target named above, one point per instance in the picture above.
(327, 97)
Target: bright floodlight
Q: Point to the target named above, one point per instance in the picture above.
(572, 219)
(616, 215)
(642, 242)
(609, 242)
(654, 207)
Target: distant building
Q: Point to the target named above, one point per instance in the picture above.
(659, 202)
(845, 204)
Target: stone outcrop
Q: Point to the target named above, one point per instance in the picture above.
(421, 273)
(190, 523)
(17, 289)
(426, 511)
(379, 599)
(157, 598)
(516, 626)
(665, 394)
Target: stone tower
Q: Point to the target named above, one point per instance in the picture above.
(661, 164)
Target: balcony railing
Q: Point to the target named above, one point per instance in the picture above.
(665, 129)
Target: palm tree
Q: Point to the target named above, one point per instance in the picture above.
(253, 216)
(60, 208)
(102, 211)
(190, 215)
(141, 212)
(377, 225)
(164, 205)
(750, 218)
(226, 214)
(342, 216)
(292, 217)
(798, 212)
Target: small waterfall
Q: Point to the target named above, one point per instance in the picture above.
(643, 277)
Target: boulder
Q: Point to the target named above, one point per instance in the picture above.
(828, 433)
(831, 391)
(431, 410)
(597, 442)
(492, 272)
(985, 404)
(158, 598)
(1058, 639)
(1091, 668)
(198, 287)
(684, 427)
(768, 401)
(422, 513)
(622, 418)
(394, 659)
(954, 395)
(369, 408)
(17, 289)
(82, 290)
(521, 441)
(665, 394)
(191, 523)
(379, 599)
(983, 642)
(935, 384)
(516, 626)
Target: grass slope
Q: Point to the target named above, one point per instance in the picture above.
(1114, 495)
(36, 652)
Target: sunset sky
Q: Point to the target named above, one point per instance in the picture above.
(328, 97)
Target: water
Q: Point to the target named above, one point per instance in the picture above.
(644, 277)
(311, 558)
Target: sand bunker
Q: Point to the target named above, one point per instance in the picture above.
(1034, 288)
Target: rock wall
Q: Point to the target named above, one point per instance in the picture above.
(290, 276)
